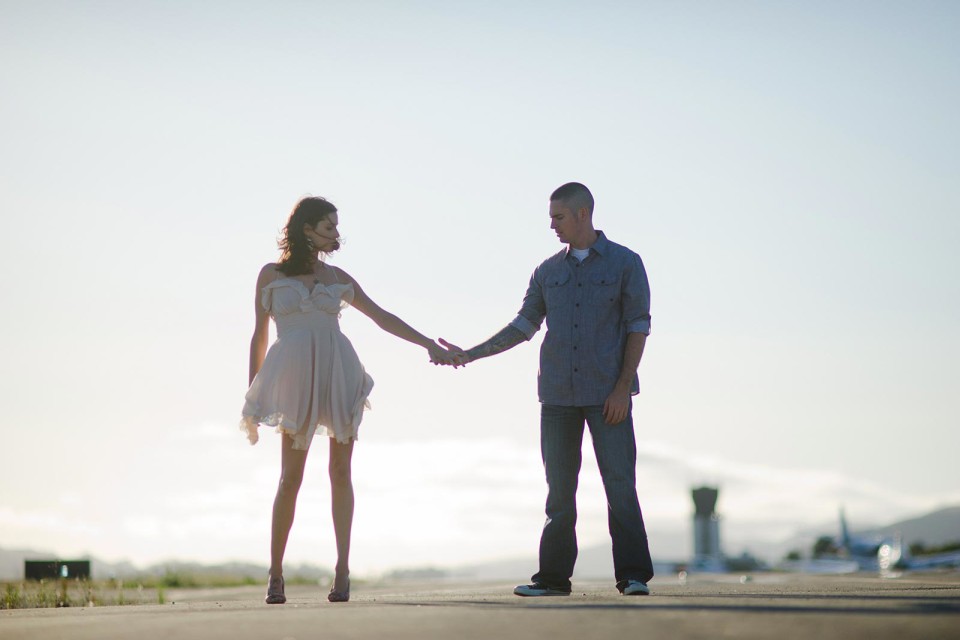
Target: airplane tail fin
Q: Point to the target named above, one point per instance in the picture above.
(844, 531)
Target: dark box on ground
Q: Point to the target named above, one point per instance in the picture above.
(48, 569)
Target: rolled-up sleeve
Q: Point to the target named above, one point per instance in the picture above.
(533, 310)
(636, 297)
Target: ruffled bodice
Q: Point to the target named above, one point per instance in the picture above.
(287, 296)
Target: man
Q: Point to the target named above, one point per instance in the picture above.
(596, 301)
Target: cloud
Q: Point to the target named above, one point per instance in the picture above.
(45, 521)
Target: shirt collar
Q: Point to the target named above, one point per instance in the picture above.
(600, 245)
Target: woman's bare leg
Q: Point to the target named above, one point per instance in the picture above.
(284, 505)
(341, 489)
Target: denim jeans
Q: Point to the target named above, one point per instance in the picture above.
(561, 439)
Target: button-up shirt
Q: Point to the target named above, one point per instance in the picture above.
(590, 307)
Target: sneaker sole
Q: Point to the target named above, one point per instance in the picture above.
(540, 594)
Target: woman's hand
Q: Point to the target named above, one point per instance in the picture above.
(458, 353)
(441, 356)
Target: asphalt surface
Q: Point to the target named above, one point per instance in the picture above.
(780, 606)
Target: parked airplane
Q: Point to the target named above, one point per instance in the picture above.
(871, 552)
(875, 552)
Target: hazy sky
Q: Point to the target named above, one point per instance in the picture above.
(788, 172)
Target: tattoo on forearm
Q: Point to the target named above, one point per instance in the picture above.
(506, 338)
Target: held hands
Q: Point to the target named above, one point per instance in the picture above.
(452, 355)
(440, 356)
(461, 356)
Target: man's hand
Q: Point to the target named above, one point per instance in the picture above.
(616, 407)
(443, 356)
(460, 357)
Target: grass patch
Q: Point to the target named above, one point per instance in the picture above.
(174, 579)
(79, 592)
(145, 589)
(53, 593)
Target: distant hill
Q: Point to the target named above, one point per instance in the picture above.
(11, 562)
(933, 530)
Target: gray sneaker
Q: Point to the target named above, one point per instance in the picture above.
(539, 589)
(633, 588)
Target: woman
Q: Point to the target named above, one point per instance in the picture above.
(311, 382)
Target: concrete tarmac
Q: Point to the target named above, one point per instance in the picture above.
(779, 606)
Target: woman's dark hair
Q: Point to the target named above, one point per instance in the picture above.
(298, 253)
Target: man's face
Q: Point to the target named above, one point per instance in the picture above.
(564, 221)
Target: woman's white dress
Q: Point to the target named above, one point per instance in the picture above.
(311, 378)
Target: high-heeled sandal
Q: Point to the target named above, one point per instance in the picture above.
(339, 596)
(275, 591)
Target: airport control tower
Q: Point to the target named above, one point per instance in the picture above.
(706, 530)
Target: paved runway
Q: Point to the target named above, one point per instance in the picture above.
(762, 606)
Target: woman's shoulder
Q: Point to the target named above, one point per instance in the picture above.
(270, 272)
(271, 267)
(342, 276)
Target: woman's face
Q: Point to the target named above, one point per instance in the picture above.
(324, 235)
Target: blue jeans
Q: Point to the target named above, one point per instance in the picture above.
(561, 439)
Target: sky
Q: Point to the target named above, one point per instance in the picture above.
(787, 171)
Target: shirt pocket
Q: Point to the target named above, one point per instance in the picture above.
(605, 288)
(556, 287)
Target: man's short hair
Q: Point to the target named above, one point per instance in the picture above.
(575, 196)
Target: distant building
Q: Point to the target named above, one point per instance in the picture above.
(706, 530)
(49, 569)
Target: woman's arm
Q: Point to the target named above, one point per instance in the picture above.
(394, 325)
(261, 327)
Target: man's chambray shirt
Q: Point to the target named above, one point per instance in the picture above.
(590, 307)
